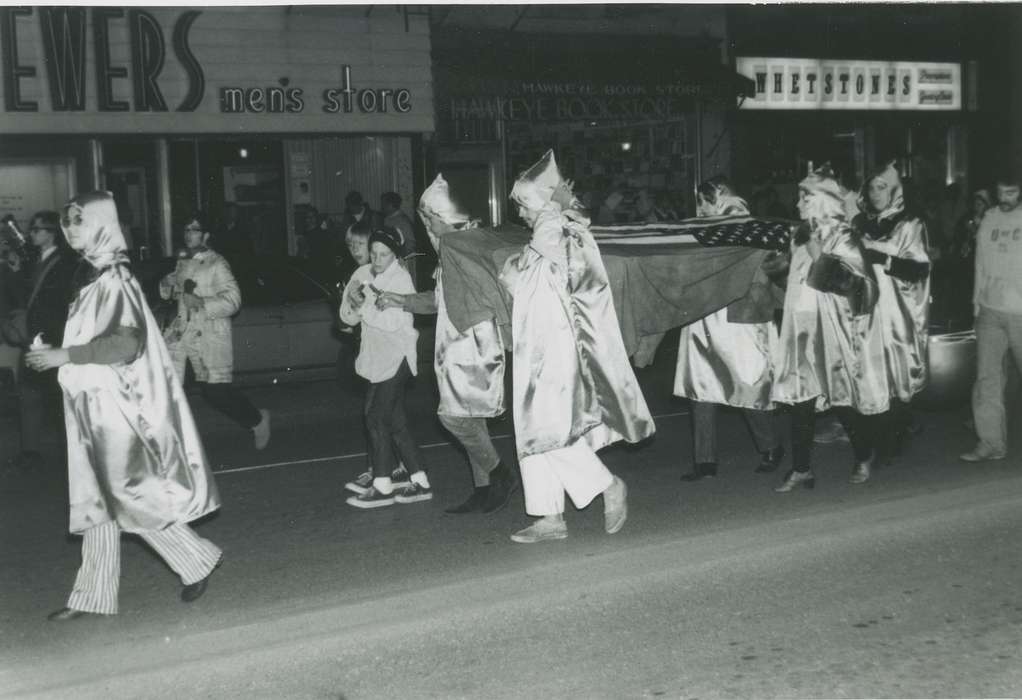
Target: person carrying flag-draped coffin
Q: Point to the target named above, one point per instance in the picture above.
(896, 243)
(827, 355)
(574, 390)
(725, 358)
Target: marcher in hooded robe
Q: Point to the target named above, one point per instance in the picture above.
(827, 355)
(135, 461)
(896, 245)
(574, 390)
(469, 366)
(725, 358)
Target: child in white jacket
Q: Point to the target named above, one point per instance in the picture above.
(387, 359)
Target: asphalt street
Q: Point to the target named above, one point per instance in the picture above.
(906, 586)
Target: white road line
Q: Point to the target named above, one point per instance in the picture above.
(338, 458)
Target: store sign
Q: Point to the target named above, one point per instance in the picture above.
(64, 33)
(578, 101)
(800, 83)
(111, 70)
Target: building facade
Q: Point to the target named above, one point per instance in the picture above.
(253, 114)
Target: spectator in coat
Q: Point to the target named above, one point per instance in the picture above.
(47, 295)
(200, 335)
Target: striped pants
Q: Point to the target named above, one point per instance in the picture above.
(96, 586)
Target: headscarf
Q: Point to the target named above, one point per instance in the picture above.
(716, 199)
(826, 194)
(91, 227)
(390, 237)
(534, 189)
(889, 176)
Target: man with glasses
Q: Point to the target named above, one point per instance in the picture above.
(47, 294)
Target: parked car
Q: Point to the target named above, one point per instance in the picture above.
(285, 328)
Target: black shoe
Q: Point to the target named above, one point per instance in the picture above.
(193, 591)
(700, 471)
(66, 615)
(472, 504)
(503, 483)
(770, 460)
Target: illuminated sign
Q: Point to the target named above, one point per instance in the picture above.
(805, 83)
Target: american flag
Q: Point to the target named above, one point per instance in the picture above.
(743, 231)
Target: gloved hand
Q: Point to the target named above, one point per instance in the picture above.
(875, 257)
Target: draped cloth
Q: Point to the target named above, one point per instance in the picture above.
(723, 362)
(572, 377)
(826, 349)
(659, 275)
(901, 317)
(134, 454)
(469, 365)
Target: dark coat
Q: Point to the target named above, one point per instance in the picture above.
(48, 295)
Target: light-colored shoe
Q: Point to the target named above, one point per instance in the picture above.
(981, 454)
(860, 473)
(261, 431)
(615, 506)
(542, 530)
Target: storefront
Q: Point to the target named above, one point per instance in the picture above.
(253, 114)
(854, 114)
(635, 122)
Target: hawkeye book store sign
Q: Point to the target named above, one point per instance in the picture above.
(223, 70)
(798, 83)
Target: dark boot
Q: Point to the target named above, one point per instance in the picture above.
(700, 471)
(473, 503)
(770, 460)
(503, 482)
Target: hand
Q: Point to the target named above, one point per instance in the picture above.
(390, 300)
(356, 297)
(193, 302)
(563, 194)
(41, 360)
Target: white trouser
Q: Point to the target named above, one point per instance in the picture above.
(96, 586)
(575, 469)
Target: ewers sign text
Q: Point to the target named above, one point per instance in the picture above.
(133, 69)
(803, 83)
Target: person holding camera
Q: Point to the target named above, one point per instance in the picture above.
(200, 334)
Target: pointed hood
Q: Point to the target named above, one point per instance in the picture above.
(534, 189)
(91, 226)
(436, 201)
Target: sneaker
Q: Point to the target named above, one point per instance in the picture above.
(399, 477)
(361, 483)
(413, 493)
(371, 498)
(981, 454)
(542, 530)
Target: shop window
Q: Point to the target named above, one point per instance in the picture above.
(622, 172)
